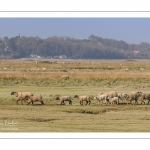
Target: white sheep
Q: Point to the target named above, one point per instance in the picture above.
(122, 96)
(101, 97)
(63, 99)
(114, 100)
(83, 98)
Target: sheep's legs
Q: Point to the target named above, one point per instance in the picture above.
(142, 100)
(86, 102)
(62, 103)
(70, 102)
(136, 102)
(17, 102)
(42, 102)
(81, 103)
(28, 103)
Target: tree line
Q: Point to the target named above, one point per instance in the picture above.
(92, 48)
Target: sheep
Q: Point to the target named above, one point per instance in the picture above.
(63, 99)
(83, 98)
(21, 96)
(34, 99)
(110, 94)
(101, 97)
(65, 77)
(133, 96)
(145, 95)
(122, 96)
(113, 100)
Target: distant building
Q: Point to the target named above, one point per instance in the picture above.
(49, 57)
(60, 57)
(35, 56)
(56, 57)
(18, 36)
(136, 51)
(63, 56)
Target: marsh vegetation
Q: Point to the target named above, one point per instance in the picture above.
(86, 77)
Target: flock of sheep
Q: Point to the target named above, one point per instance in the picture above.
(108, 97)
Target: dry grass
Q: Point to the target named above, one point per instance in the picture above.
(86, 77)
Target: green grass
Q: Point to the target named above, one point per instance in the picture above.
(55, 118)
(86, 78)
(77, 118)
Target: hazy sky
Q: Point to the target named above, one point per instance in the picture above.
(130, 30)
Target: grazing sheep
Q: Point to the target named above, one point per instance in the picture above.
(63, 99)
(65, 77)
(83, 98)
(21, 96)
(34, 99)
(101, 98)
(145, 95)
(114, 100)
(133, 96)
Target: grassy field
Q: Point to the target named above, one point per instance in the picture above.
(85, 77)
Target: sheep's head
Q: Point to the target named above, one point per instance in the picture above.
(26, 97)
(125, 95)
(76, 96)
(12, 93)
(95, 97)
(57, 98)
(139, 93)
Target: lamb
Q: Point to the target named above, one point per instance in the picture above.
(101, 97)
(114, 100)
(109, 94)
(21, 96)
(83, 98)
(34, 99)
(63, 99)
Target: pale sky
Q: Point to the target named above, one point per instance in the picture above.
(130, 30)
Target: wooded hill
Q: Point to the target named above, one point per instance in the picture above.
(92, 48)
